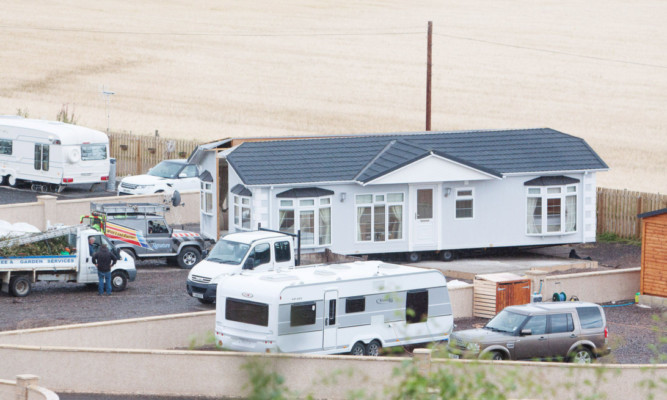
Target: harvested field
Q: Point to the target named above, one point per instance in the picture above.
(214, 69)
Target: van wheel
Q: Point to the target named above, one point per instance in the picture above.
(413, 257)
(118, 281)
(582, 356)
(373, 348)
(359, 349)
(188, 257)
(20, 286)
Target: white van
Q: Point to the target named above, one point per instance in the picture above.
(51, 153)
(355, 308)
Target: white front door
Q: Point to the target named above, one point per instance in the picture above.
(424, 206)
(329, 337)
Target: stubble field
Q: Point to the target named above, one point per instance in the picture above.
(212, 69)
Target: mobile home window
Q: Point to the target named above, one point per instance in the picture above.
(464, 203)
(206, 200)
(416, 306)
(302, 314)
(551, 210)
(282, 251)
(242, 214)
(6, 147)
(93, 152)
(312, 216)
(355, 304)
(379, 217)
(42, 157)
(247, 312)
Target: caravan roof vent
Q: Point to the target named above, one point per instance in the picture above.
(278, 277)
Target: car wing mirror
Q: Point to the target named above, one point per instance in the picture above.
(249, 263)
(526, 332)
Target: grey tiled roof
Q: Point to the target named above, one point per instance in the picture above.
(365, 157)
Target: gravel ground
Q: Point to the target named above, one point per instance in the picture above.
(23, 193)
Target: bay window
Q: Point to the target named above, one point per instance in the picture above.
(551, 209)
(379, 217)
(310, 215)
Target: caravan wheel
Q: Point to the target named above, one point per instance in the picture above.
(12, 181)
(373, 348)
(359, 349)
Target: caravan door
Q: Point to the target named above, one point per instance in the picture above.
(330, 331)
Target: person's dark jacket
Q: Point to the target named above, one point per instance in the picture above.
(104, 259)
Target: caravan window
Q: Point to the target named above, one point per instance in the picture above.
(302, 314)
(247, 312)
(93, 152)
(42, 157)
(6, 147)
(416, 307)
(355, 304)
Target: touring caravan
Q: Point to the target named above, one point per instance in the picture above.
(51, 154)
(355, 308)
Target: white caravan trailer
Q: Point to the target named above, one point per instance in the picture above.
(51, 153)
(340, 308)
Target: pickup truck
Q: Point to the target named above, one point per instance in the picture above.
(261, 250)
(58, 255)
(142, 231)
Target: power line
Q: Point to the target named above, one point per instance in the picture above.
(551, 51)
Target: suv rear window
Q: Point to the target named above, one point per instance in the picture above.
(590, 317)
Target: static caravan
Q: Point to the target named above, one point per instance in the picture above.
(417, 194)
(51, 153)
(355, 308)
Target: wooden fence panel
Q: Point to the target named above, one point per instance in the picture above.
(617, 210)
(135, 154)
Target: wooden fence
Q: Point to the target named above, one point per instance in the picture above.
(135, 154)
(617, 210)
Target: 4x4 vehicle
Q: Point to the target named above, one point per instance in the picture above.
(571, 331)
(165, 177)
(142, 231)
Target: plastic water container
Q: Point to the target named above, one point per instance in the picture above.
(111, 183)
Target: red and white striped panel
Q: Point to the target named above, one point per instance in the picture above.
(184, 234)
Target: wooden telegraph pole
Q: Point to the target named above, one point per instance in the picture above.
(428, 75)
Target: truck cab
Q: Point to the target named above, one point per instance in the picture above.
(236, 252)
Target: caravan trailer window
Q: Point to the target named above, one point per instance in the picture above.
(247, 312)
(355, 304)
(6, 147)
(302, 314)
(93, 152)
(42, 157)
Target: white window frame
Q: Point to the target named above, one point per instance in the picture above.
(383, 200)
(241, 203)
(458, 198)
(296, 207)
(547, 193)
(206, 198)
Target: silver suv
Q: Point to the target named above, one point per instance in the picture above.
(571, 331)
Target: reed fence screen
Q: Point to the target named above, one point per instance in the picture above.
(617, 210)
(135, 154)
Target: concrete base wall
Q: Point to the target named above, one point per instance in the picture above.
(108, 358)
(653, 301)
(49, 210)
(461, 299)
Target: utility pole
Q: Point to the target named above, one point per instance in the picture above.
(428, 75)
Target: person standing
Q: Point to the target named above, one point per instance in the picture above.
(104, 260)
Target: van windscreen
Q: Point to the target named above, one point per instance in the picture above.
(247, 312)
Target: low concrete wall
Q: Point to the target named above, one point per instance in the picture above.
(49, 210)
(25, 388)
(116, 363)
(596, 287)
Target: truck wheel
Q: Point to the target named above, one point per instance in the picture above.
(118, 281)
(20, 286)
(188, 257)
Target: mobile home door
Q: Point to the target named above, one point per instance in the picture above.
(330, 321)
(423, 222)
